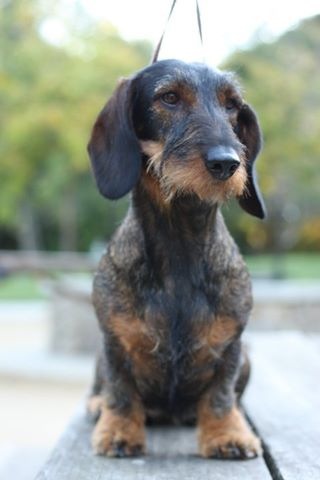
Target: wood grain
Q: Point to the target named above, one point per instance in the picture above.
(283, 400)
(171, 455)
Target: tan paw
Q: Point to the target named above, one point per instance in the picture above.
(118, 436)
(228, 437)
(232, 445)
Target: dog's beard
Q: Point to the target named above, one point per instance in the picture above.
(177, 177)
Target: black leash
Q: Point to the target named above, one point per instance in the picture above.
(157, 49)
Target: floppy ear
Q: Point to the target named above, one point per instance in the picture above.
(113, 148)
(249, 134)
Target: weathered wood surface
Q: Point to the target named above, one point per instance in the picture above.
(171, 455)
(282, 400)
(43, 262)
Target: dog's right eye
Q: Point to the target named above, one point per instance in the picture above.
(170, 98)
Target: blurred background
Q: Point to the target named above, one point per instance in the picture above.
(59, 63)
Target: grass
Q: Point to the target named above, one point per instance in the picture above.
(20, 287)
(293, 266)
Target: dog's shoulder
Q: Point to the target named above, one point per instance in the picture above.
(126, 246)
(223, 254)
(229, 271)
(115, 280)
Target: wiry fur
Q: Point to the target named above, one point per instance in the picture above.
(172, 293)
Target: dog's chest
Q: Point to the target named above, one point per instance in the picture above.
(174, 346)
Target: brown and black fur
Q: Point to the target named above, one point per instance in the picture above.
(172, 293)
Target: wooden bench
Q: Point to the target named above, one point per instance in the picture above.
(282, 402)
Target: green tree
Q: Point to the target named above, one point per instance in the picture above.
(49, 99)
(281, 81)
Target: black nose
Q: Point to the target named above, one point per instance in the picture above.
(222, 162)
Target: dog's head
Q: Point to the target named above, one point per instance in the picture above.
(186, 128)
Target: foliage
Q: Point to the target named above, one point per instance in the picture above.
(51, 93)
(281, 81)
(50, 97)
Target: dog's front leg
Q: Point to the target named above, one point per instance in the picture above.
(120, 429)
(223, 431)
(119, 434)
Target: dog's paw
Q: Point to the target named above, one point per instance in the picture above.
(228, 437)
(233, 445)
(117, 436)
(105, 443)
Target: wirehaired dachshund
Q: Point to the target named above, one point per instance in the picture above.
(172, 293)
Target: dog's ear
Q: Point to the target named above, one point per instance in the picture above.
(113, 148)
(249, 134)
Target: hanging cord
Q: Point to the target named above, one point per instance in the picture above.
(199, 23)
(157, 49)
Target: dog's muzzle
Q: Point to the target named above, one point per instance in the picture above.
(222, 162)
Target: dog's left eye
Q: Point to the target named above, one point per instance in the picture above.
(170, 98)
(231, 104)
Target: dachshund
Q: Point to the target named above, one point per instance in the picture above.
(172, 293)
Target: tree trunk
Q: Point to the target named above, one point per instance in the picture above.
(68, 222)
(28, 231)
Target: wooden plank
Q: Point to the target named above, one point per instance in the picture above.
(42, 262)
(283, 401)
(171, 455)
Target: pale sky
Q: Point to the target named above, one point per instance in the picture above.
(227, 24)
